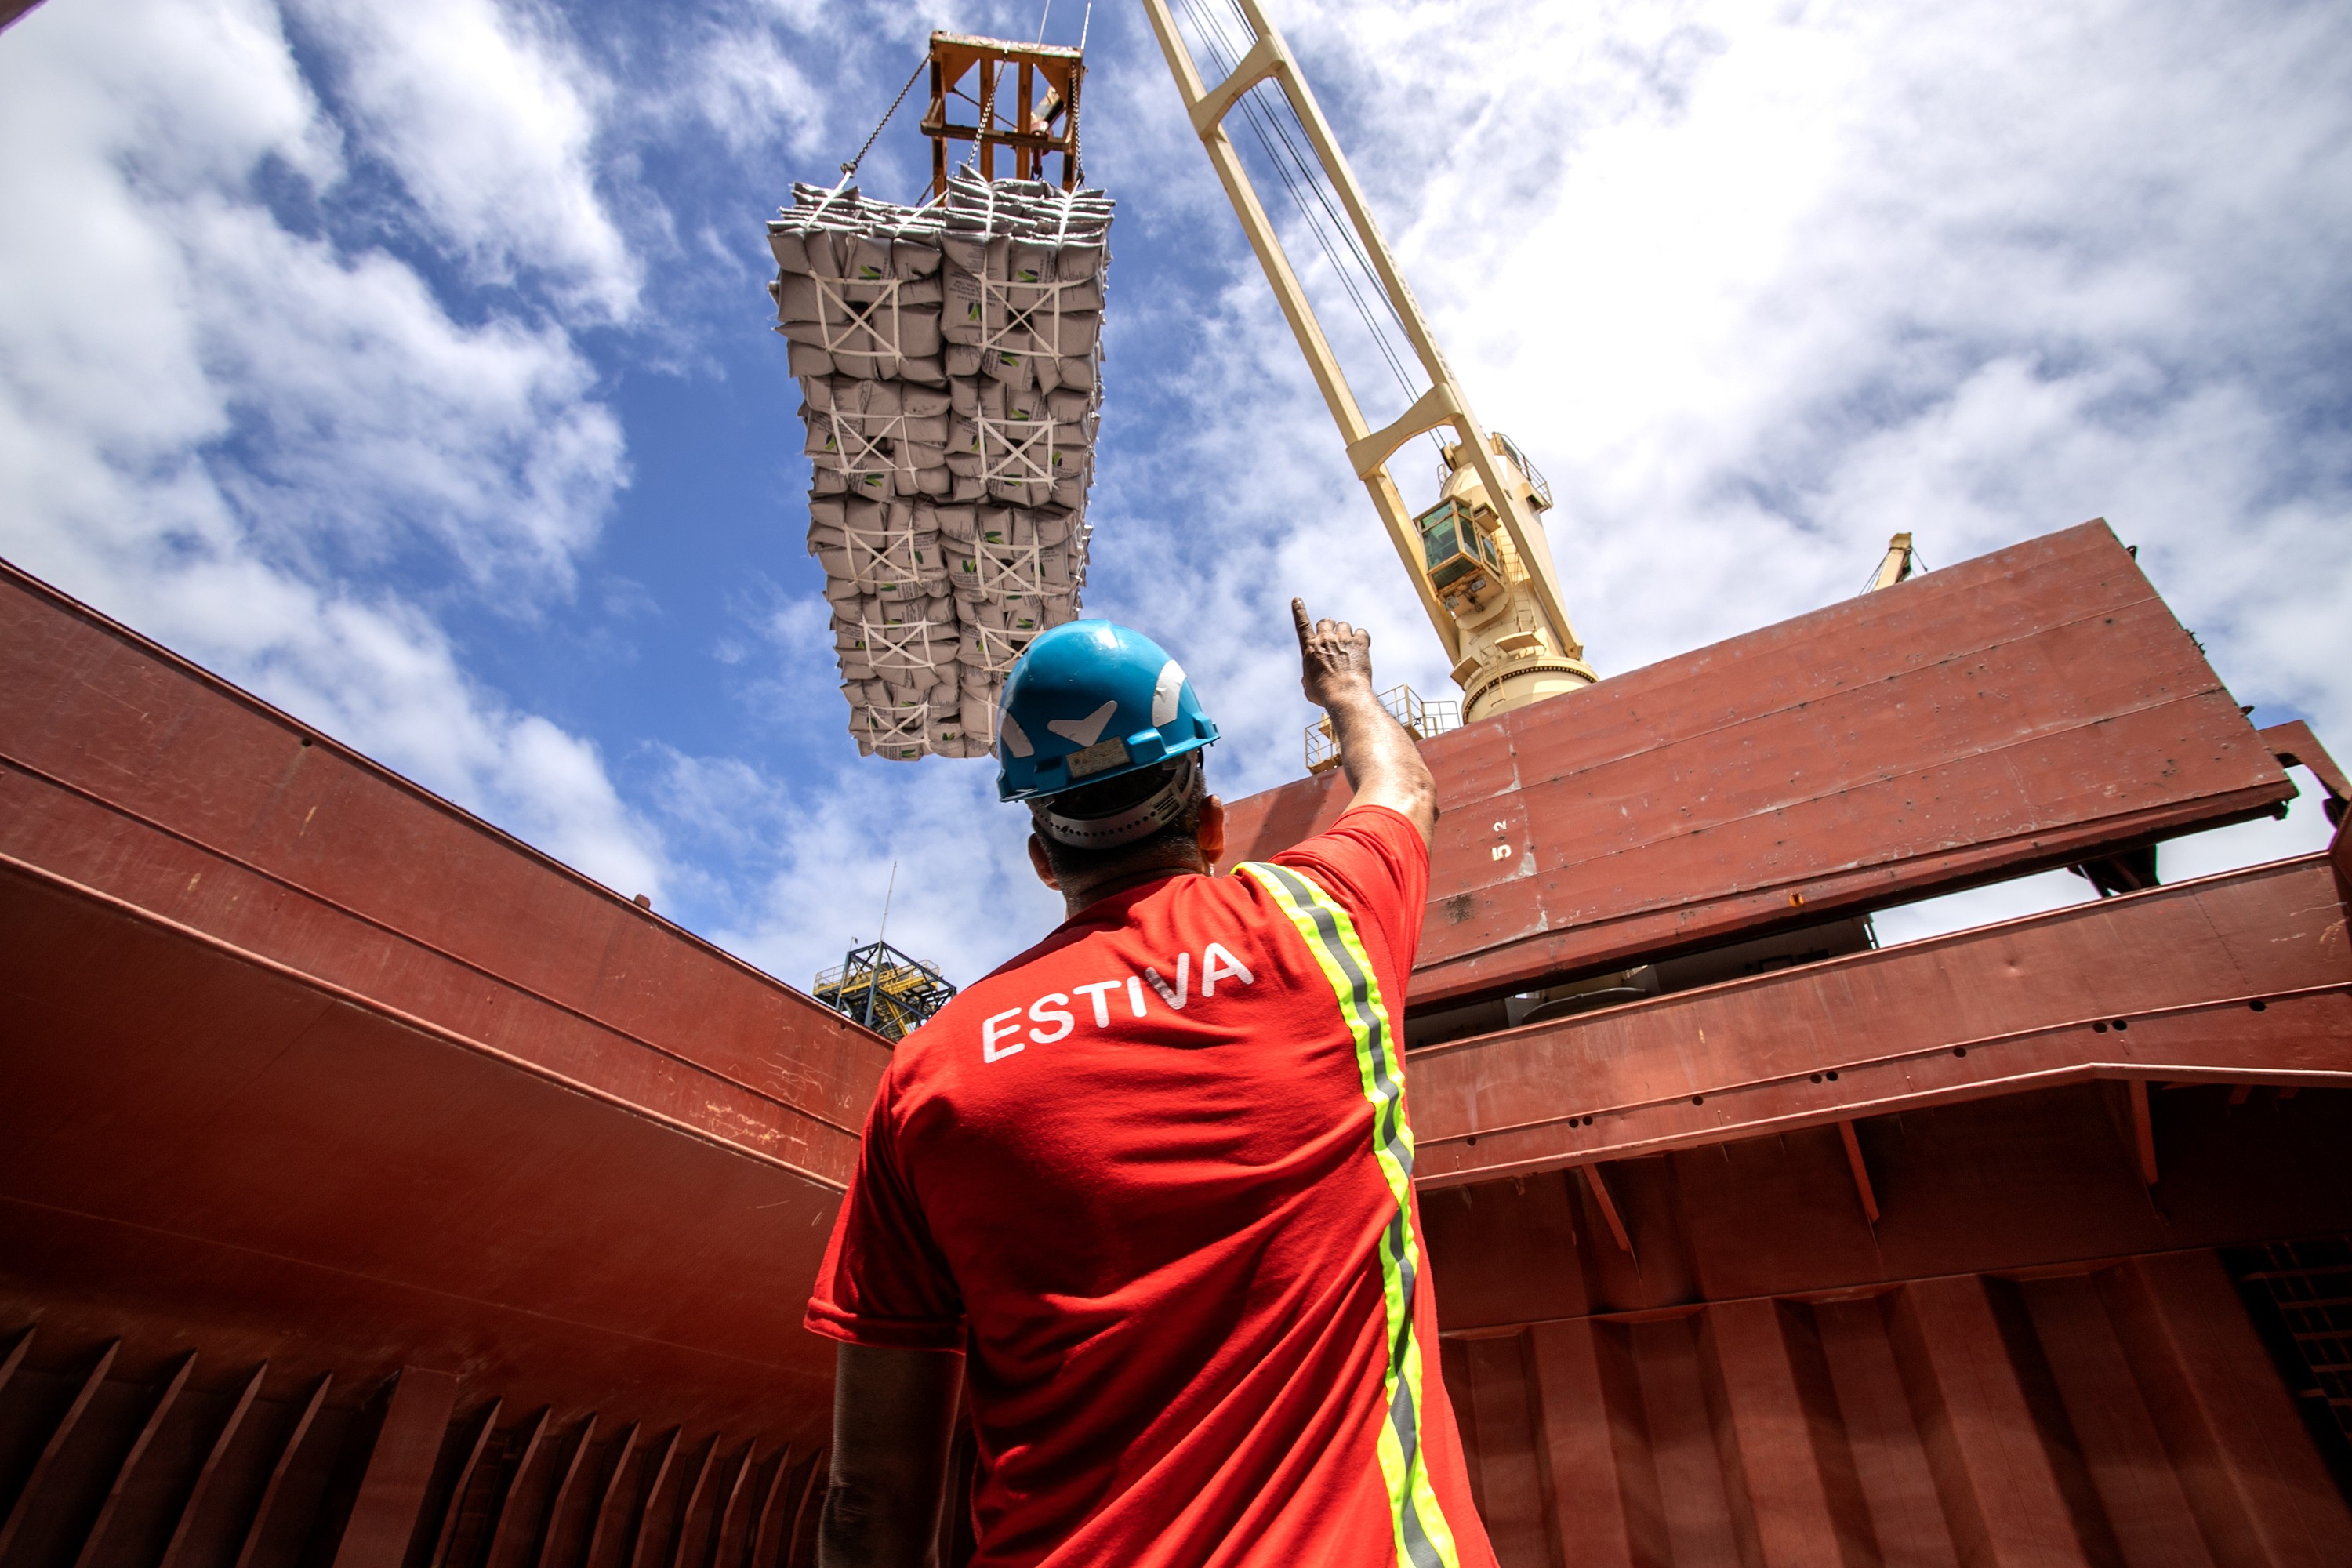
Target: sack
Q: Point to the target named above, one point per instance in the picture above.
(949, 358)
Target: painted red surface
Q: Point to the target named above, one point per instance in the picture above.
(351, 1188)
(260, 1467)
(313, 1078)
(375, 1190)
(2022, 710)
(1951, 1421)
(2031, 1358)
(138, 775)
(1914, 1256)
(2158, 986)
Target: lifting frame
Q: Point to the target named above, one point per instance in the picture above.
(1030, 130)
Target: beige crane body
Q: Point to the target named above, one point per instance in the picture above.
(1479, 559)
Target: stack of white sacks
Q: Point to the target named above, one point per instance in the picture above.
(951, 356)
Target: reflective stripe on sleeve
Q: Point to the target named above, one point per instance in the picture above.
(1424, 1540)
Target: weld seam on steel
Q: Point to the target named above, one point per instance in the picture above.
(2069, 1269)
(388, 930)
(250, 1251)
(410, 1021)
(1854, 868)
(1917, 1052)
(1854, 1110)
(213, 685)
(1836, 886)
(1827, 966)
(1953, 657)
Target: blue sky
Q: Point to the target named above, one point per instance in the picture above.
(411, 366)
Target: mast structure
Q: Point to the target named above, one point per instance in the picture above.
(1509, 647)
(1901, 560)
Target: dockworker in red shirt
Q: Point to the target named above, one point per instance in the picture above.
(1145, 1193)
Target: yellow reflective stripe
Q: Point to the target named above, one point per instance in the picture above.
(1423, 1539)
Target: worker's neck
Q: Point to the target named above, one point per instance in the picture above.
(1196, 858)
(1078, 896)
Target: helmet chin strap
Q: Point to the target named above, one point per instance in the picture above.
(1132, 825)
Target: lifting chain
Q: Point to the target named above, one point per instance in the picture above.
(850, 168)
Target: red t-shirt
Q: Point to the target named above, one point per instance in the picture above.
(1154, 1177)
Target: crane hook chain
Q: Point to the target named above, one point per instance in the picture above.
(851, 167)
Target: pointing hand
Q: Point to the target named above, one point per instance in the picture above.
(1335, 659)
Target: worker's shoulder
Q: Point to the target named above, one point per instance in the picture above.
(1365, 824)
(1371, 849)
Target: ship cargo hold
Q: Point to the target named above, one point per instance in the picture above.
(374, 1190)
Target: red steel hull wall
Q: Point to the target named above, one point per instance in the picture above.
(2100, 1416)
(2029, 1358)
(1915, 1256)
(139, 1470)
(377, 1191)
(372, 1188)
(2019, 710)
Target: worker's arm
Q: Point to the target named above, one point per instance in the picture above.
(892, 1416)
(1379, 756)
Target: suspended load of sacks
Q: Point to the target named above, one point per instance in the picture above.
(949, 358)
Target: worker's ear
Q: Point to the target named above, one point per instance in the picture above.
(1045, 867)
(1212, 831)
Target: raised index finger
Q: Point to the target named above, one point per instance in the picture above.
(1298, 619)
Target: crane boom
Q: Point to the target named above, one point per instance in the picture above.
(1479, 561)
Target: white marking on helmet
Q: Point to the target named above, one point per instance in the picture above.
(1086, 731)
(1015, 740)
(1164, 695)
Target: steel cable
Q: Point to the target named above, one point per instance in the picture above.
(850, 168)
(1268, 127)
(1282, 124)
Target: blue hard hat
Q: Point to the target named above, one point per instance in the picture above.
(1088, 701)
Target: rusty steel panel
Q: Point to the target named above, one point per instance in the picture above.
(399, 1466)
(2027, 1182)
(429, 1472)
(2121, 1412)
(327, 1185)
(2028, 1356)
(317, 1074)
(353, 956)
(2294, 743)
(132, 772)
(2027, 709)
(2241, 978)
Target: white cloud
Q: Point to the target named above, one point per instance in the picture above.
(796, 76)
(490, 116)
(811, 864)
(1755, 284)
(742, 83)
(786, 870)
(1980, 272)
(365, 407)
(207, 420)
(383, 675)
(1759, 285)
